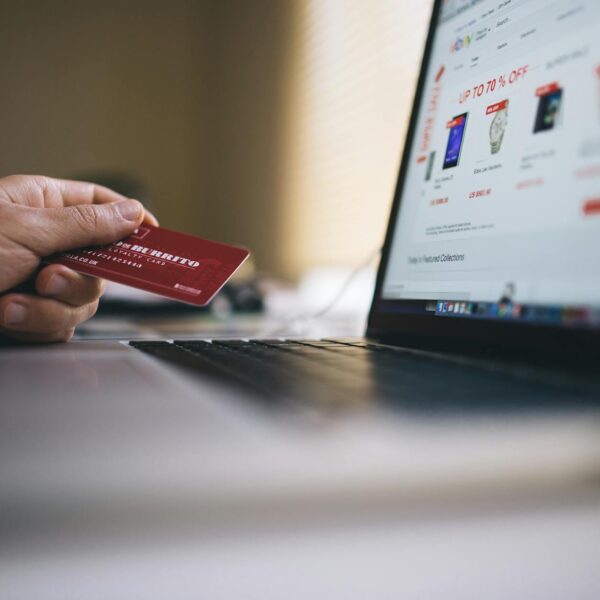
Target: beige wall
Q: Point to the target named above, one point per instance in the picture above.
(184, 94)
(109, 85)
(249, 57)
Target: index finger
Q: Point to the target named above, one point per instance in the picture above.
(84, 192)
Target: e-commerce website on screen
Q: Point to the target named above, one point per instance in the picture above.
(503, 186)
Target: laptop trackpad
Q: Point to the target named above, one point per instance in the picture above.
(101, 391)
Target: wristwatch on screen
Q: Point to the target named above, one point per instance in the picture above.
(497, 128)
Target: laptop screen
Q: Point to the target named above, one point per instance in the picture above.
(499, 207)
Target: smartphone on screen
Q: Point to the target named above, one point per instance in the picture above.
(548, 111)
(455, 140)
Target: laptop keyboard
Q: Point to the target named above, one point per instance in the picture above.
(332, 373)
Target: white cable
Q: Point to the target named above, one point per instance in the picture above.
(285, 325)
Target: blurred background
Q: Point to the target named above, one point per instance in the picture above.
(275, 124)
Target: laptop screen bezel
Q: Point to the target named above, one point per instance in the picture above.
(431, 330)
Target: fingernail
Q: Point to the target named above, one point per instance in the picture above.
(57, 285)
(14, 314)
(130, 210)
(150, 217)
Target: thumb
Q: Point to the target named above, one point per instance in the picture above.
(54, 230)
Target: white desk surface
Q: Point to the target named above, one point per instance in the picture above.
(544, 544)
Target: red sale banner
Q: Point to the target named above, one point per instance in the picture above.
(455, 122)
(591, 207)
(493, 108)
(544, 90)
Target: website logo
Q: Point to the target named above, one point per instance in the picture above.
(461, 43)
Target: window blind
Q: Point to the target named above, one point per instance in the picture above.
(353, 68)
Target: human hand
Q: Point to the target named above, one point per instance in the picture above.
(40, 216)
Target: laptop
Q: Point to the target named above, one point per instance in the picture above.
(490, 248)
(478, 367)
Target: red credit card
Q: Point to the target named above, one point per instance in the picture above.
(165, 262)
